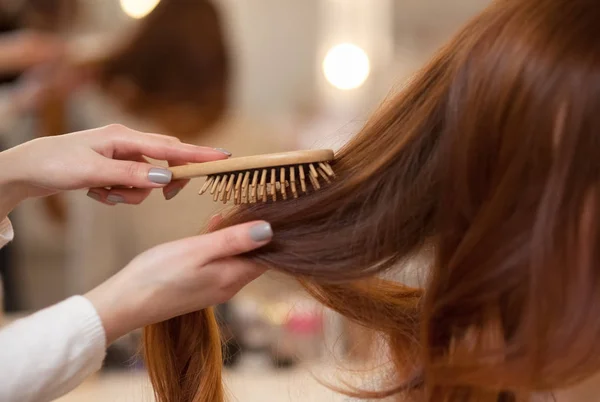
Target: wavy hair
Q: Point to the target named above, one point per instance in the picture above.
(489, 157)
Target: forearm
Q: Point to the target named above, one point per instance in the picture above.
(119, 315)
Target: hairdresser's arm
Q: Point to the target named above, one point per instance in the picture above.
(49, 353)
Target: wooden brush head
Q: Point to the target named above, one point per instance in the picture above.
(258, 178)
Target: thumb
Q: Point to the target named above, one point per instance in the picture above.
(133, 174)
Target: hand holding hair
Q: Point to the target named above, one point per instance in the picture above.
(171, 279)
(178, 278)
(108, 160)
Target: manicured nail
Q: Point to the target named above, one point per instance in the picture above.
(160, 175)
(94, 196)
(261, 232)
(172, 193)
(226, 152)
(115, 198)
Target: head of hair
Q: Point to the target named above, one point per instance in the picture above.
(486, 160)
(175, 68)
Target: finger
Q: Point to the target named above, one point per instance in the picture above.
(232, 274)
(129, 142)
(119, 195)
(230, 241)
(113, 172)
(173, 188)
(133, 196)
(99, 194)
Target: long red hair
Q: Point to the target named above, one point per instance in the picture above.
(488, 159)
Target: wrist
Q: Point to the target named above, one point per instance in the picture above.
(114, 309)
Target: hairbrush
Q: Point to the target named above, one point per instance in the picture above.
(252, 179)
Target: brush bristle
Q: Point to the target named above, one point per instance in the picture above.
(268, 184)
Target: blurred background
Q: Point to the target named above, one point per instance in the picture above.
(250, 76)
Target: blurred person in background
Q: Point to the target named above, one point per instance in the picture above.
(28, 40)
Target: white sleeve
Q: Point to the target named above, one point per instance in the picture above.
(49, 353)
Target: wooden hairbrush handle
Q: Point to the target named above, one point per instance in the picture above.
(251, 162)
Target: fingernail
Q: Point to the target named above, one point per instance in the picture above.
(172, 193)
(115, 198)
(160, 175)
(224, 151)
(94, 196)
(261, 232)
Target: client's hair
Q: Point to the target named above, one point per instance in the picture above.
(489, 157)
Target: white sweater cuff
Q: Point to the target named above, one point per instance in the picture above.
(49, 353)
(89, 323)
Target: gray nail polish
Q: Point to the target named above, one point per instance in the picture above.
(94, 196)
(226, 152)
(261, 232)
(160, 175)
(115, 198)
(172, 193)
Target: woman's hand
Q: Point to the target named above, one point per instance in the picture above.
(108, 160)
(178, 278)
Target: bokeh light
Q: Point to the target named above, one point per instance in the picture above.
(138, 8)
(346, 66)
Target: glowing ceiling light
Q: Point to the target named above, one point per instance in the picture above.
(138, 8)
(346, 66)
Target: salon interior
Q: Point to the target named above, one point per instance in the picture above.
(250, 76)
